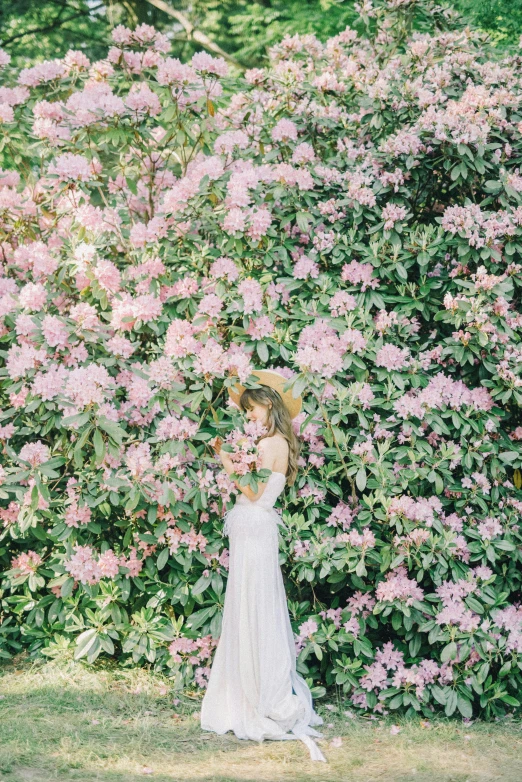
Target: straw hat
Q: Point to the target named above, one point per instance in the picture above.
(268, 377)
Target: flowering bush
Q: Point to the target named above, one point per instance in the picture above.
(352, 217)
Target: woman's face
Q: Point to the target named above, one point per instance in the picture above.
(257, 412)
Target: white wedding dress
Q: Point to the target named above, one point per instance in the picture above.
(254, 689)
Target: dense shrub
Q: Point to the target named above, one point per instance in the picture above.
(350, 216)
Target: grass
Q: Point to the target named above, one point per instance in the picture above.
(70, 721)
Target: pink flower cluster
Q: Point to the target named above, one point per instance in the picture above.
(306, 632)
(359, 274)
(378, 677)
(391, 214)
(342, 515)
(320, 348)
(35, 453)
(397, 586)
(455, 611)
(392, 358)
(174, 428)
(27, 562)
(192, 650)
(422, 509)
(478, 227)
(77, 168)
(88, 568)
(76, 514)
(441, 392)
(510, 620)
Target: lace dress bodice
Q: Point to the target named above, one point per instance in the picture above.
(274, 486)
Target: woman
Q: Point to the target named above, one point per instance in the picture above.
(254, 688)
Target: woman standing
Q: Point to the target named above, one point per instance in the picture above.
(254, 688)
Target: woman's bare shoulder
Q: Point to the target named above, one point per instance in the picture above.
(275, 442)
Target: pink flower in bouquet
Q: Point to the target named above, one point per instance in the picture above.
(245, 455)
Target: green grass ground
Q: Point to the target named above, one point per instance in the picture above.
(72, 722)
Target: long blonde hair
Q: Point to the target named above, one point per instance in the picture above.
(278, 420)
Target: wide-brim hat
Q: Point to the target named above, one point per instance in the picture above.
(268, 377)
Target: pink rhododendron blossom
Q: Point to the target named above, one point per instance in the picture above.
(391, 214)
(74, 167)
(305, 267)
(391, 357)
(285, 130)
(303, 153)
(54, 331)
(35, 453)
(320, 349)
(46, 71)
(32, 296)
(207, 64)
(27, 562)
(359, 274)
(397, 586)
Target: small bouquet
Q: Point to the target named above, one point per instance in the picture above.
(242, 452)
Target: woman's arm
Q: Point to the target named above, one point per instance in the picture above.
(266, 449)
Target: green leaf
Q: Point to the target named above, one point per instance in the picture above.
(162, 559)
(200, 585)
(482, 673)
(401, 271)
(84, 642)
(360, 479)
(360, 570)
(112, 429)
(465, 707)
(299, 386)
(80, 419)
(99, 446)
(303, 219)
(449, 652)
(200, 617)
(396, 702)
(439, 694)
(132, 185)
(510, 699)
(262, 351)
(474, 604)
(505, 545)
(67, 587)
(34, 498)
(415, 645)
(451, 703)
(508, 456)
(455, 172)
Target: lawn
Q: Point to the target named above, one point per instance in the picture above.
(75, 722)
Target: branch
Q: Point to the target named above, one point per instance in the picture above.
(192, 33)
(57, 23)
(339, 452)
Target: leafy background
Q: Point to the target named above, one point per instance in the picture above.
(355, 223)
(244, 30)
